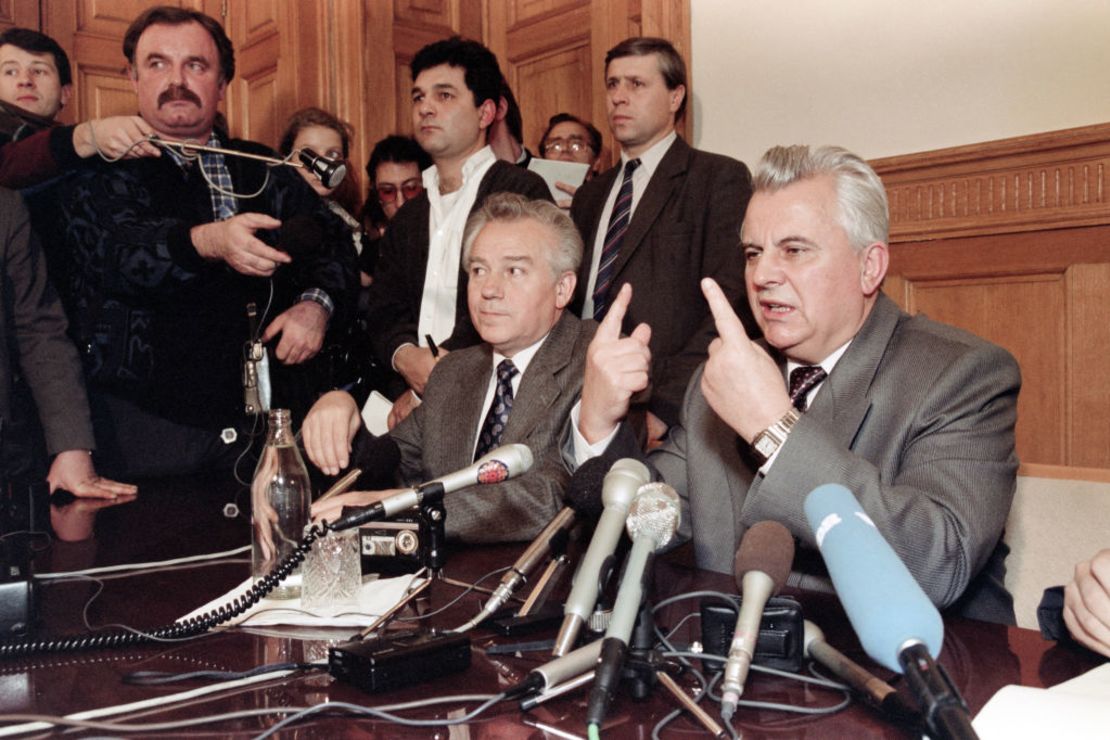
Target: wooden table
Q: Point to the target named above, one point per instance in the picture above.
(186, 516)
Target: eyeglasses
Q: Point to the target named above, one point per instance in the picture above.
(573, 145)
(387, 191)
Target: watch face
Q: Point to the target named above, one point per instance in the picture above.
(764, 445)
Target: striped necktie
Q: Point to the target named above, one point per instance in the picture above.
(614, 235)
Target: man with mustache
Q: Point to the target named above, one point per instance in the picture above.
(170, 251)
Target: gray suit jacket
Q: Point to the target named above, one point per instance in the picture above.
(33, 331)
(917, 420)
(439, 436)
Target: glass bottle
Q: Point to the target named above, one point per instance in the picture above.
(280, 498)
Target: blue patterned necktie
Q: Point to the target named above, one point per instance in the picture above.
(802, 381)
(614, 235)
(498, 415)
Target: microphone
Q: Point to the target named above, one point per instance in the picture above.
(761, 568)
(879, 693)
(618, 488)
(652, 522)
(496, 466)
(555, 672)
(897, 624)
(537, 552)
(330, 171)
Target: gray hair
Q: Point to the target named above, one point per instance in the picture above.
(567, 254)
(860, 194)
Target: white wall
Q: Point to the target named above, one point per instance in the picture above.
(885, 77)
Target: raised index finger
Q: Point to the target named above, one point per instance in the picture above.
(728, 323)
(610, 326)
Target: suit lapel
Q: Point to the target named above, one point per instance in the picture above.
(588, 224)
(844, 407)
(664, 180)
(457, 440)
(538, 388)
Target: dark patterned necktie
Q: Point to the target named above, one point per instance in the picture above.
(802, 381)
(498, 415)
(614, 235)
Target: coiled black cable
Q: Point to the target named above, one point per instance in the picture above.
(178, 630)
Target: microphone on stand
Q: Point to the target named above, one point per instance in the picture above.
(761, 568)
(652, 523)
(618, 487)
(496, 466)
(897, 624)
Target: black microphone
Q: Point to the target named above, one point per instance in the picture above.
(496, 466)
(540, 549)
(652, 522)
(615, 490)
(330, 171)
(761, 568)
(878, 693)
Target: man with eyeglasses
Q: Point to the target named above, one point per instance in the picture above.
(571, 139)
(418, 308)
(664, 218)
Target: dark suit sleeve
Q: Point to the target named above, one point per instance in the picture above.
(46, 356)
(729, 191)
(391, 319)
(943, 502)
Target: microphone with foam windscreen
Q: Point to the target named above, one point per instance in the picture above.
(652, 522)
(897, 624)
(761, 568)
(496, 466)
(617, 488)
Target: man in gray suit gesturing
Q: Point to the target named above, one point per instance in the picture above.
(915, 417)
(519, 385)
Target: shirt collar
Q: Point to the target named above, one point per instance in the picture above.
(826, 364)
(523, 357)
(476, 161)
(650, 159)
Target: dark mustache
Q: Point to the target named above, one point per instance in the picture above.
(178, 92)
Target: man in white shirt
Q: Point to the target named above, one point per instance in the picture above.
(664, 218)
(916, 418)
(418, 298)
(518, 385)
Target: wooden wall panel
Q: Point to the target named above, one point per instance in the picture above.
(22, 13)
(1026, 315)
(1011, 241)
(1088, 311)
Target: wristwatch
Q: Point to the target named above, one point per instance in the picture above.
(767, 442)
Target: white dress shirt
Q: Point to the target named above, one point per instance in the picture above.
(446, 223)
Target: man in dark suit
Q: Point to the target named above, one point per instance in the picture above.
(915, 417)
(419, 288)
(685, 207)
(522, 257)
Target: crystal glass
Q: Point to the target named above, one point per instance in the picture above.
(332, 574)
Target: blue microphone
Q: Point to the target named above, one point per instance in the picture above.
(885, 604)
(897, 624)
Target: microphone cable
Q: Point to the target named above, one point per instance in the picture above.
(178, 630)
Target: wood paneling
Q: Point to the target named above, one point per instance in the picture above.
(22, 13)
(1011, 241)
